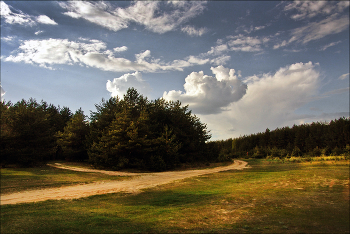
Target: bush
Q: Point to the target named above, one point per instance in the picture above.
(274, 152)
(326, 151)
(337, 151)
(316, 152)
(258, 153)
(296, 152)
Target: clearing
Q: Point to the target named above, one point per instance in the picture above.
(138, 182)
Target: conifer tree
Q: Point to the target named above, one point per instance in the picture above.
(73, 138)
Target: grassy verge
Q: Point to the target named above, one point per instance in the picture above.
(20, 179)
(267, 198)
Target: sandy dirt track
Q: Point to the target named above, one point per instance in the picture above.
(134, 185)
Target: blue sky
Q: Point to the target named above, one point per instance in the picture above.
(241, 66)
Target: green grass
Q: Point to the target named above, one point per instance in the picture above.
(270, 197)
(20, 179)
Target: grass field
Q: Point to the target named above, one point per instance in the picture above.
(270, 197)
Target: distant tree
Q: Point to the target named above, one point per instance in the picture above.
(296, 152)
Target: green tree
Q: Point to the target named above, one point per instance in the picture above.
(133, 131)
(165, 152)
(123, 144)
(73, 138)
(28, 136)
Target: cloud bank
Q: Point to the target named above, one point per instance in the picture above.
(92, 53)
(268, 100)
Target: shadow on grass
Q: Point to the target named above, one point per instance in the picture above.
(111, 213)
(171, 198)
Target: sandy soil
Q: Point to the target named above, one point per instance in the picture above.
(138, 182)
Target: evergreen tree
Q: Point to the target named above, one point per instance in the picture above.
(73, 138)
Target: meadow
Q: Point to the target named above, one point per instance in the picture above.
(273, 196)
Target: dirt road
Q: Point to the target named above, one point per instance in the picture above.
(135, 184)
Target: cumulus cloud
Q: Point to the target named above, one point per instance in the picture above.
(147, 13)
(310, 9)
(270, 101)
(22, 18)
(92, 53)
(207, 94)
(119, 86)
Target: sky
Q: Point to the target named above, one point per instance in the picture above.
(241, 66)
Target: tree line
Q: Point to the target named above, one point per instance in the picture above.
(156, 135)
(132, 132)
(305, 140)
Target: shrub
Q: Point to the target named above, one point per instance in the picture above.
(316, 152)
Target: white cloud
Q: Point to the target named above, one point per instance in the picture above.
(310, 9)
(15, 18)
(220, 60)
(119, 86)
(38, 32)
(95, 12)
(270, 101)
(234, 43)
(197, 60)
(44, 19)
(192, 31)
(318, 30)
(259, 28)
(120, 49)
(344, 76)
(22, 18)
(8, 38)
(282, 44)
(329, 45)
(146, 13)
(92, 53)
(208, 94)
(218, 50)
(246, 44)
